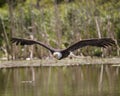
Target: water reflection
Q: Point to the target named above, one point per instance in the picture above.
(85, 80)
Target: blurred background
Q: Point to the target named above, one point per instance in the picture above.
(57, 23)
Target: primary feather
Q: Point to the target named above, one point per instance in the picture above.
(19, 41)
(103, 42)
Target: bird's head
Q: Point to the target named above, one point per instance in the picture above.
(57, 55)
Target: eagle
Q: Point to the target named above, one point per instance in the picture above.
(63, 53)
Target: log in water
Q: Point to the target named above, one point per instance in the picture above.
(65, 62)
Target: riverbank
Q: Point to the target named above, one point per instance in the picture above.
(65, 62)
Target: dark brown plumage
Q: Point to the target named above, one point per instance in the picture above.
(60, 54)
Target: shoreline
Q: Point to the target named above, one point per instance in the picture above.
(114, 61)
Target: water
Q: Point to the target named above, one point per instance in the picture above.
(84, 80)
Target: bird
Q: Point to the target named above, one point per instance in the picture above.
(63, 53)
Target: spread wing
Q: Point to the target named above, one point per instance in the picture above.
(103, 42)
(19, 41)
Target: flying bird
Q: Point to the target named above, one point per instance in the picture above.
(63, 53)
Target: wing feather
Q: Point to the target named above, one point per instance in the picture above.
(103, 42)
(19, 41)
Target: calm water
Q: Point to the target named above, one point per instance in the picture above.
(90, 80)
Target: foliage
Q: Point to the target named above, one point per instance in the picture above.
(2, 3)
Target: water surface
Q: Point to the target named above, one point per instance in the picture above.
(84, 80)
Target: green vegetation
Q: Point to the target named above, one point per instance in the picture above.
(57, 23)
